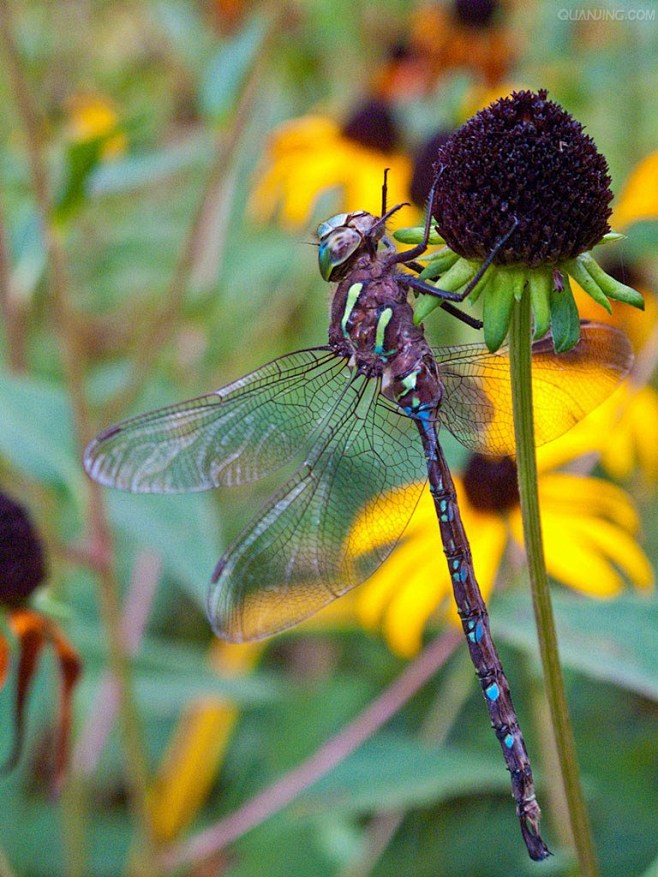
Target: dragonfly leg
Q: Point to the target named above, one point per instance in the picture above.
(461, 315)
(419, 249)
(447, 306)
(436, 291)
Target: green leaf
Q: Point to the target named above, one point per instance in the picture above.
(29, 254)
(452, 281)
(36, 432)
(148, 168)
(228, 70)
(183, 530)
(168, 675)
(612, 640)
(611, 237)
(565, 320)
(81, 159)
(391, 772)
(440, 262)
(582, 276)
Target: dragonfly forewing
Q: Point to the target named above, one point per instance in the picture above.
(303, 551)
(234, 435)
(477, 402)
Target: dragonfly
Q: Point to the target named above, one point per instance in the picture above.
(361, 417)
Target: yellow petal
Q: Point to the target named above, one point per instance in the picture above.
(644, 416)
(90, 116)
(619, 547)
(588, 436)
(408, 589)
(309, 156)
(302, 133)
(389, 526)
(582, 496)
(376, 593)
(575, 564)
(588, 527)
(416, 600)
(639, 197)
(197, 748)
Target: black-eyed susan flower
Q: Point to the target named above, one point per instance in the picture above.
(522, 184)
(22, 570)
(590, 535)
(312, 155)
(423, 174)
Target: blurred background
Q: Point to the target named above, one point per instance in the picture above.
(164, 167)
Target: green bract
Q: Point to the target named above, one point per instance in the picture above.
(553, 304)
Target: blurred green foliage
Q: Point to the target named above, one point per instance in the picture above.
(179, 78)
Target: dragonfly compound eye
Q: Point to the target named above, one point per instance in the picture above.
(336, 248)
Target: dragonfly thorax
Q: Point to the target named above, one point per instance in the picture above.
(372, 327)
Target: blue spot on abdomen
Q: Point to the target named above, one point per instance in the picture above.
(492, 691)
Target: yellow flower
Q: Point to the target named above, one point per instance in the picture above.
(413, 583)
(312, 155)
(589, 525)
(92, 117)
(632, 442)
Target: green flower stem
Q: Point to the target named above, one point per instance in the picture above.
(520, 366)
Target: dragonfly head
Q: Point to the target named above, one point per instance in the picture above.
(344, 236)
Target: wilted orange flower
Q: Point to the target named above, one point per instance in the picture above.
(22, 570)
(470, 35)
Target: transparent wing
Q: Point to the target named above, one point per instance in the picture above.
(477, 402)
(232, 436)
(329, 527)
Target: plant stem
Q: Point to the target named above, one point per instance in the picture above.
(135, 764)
(154, 336)
(520, 368)
(276, 796)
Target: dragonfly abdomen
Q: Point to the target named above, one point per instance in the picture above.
(475, 623)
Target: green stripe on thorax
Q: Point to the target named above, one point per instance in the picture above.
(353, 294)
(382, 323)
